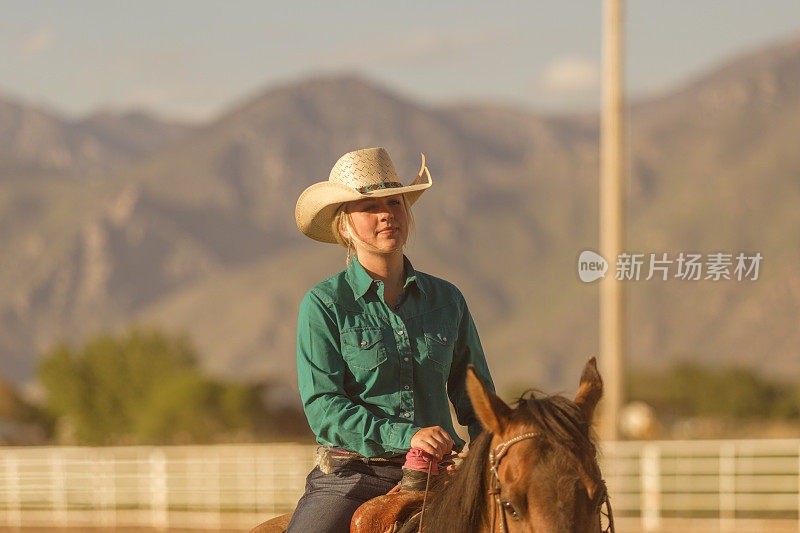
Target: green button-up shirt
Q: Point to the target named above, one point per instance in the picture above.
(372, 375)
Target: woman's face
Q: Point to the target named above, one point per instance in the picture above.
(380, 222)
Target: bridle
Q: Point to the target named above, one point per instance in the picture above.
(600, 499)
(603, 507)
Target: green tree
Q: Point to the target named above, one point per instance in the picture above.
(689, 389)
(143, 387)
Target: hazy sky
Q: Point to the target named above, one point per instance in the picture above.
(192, 59)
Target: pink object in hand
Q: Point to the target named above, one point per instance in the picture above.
(417, 459)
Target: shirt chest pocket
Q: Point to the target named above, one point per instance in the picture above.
(439, 342)
(364, 349)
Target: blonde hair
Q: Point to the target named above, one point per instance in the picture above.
(342, 221)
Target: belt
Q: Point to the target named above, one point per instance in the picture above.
(343, 456)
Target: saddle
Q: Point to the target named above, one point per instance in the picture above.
(387, 513)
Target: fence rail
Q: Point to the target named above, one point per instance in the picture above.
(235, 487)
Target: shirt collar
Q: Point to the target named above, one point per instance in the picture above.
(360, 281)
(411, 277)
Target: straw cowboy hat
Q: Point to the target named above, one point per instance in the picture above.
(367, 173)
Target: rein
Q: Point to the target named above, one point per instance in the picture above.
(425, 497)
(602, 505)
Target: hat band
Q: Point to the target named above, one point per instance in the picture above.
(377, 186)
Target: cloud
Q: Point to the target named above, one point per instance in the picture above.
(571, 75)
(36, 41)
(408, 48)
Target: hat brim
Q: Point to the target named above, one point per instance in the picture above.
(318, 204)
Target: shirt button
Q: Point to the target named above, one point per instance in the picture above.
(363, 343)
(400, 332)
(406, 415)
(406, 387)
(405, 359)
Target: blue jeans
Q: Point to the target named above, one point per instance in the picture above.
(331, 499)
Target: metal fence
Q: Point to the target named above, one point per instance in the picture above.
(731, 483)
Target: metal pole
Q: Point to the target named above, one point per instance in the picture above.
(612, 206)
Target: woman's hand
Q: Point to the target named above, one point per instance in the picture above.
(433, 440)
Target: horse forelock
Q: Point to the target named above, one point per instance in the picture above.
(550, 411)
(560, 423)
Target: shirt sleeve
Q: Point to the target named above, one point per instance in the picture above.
(468, 351)
(332, 414)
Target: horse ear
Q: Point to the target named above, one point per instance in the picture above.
(590, 390)
(490, 409)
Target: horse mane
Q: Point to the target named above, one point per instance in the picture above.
(460, 504)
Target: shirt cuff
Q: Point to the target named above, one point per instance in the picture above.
(401, 436)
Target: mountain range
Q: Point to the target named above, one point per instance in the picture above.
(122, 218)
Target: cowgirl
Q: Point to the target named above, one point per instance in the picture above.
(380, 346)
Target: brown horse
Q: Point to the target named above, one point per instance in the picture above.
(534, 469)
